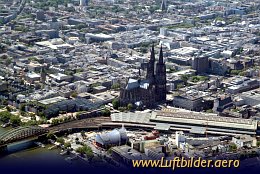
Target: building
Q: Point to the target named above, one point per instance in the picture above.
(242, 84)
(150, 90)
(32, 77)
(98, 37)
(187, 121)
(59, 77)
(51, 107)
(200, 64)
(114, 138)
(43, 75)
(40, 15)
(193, 103)
(251, 98)
(3, 86)
(83, 2)
(125, 154)
(155, 152)
(244, 141)
(163, 5)
(179, 138)
(218, 67)
(222, 103)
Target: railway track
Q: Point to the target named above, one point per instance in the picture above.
(88, 122)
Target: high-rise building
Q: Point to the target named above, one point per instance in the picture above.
(40, 15)
(163, 5)
(150, 90)
(43, 75)
(83, 2)
(200, 64)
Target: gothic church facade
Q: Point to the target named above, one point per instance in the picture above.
(150, 90)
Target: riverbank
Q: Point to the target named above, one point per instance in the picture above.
(2, 130)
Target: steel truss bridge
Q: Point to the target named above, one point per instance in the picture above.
(21, 133)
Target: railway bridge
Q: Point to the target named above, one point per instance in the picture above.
(20, 133)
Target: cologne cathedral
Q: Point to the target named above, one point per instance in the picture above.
(150, 90)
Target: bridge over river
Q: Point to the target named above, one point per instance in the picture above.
(20, 133)
(15, 135)
(33, 132)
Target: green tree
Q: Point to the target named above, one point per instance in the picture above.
(80, 150)
(209, 111)
(80, 26)
(232, 147)
(88, 151)
(82, 133)
(85, 150)
(243, 73)
(90, 154)
(74, 94)
(122, 109)
(130, 106)
(5, 116)
(22, 107)
(109, 151)
(30, 123)
(79, 70)
(67, 145)
(115, 103)
(196, 79)
(8, 108)
(235, 72)
(185, 78)
(8, 61)
(41, 114)
(95, 85)
(258, 143)
(171, 70)
(51, 135)
(55, 122)
(115, 86)
(15, 120)
(180, 85)
(78, 115)
(105, 112)
(60, 140)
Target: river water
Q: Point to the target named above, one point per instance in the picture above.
(37, 154)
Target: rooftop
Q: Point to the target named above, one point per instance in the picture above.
(52, 100)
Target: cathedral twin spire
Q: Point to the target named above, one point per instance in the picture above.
(150, 68)
(161, 56)
(152, 57)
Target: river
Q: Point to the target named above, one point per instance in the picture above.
(35, 155)
(43, 160)
(32, 152)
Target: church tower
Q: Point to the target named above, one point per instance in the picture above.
(43, 75)
(150, 66)
(160, 89)
(163, 5)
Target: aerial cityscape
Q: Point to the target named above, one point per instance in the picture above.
(107, 82)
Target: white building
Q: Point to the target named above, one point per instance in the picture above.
(244, 141)
(83, 2)
(179, 138)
